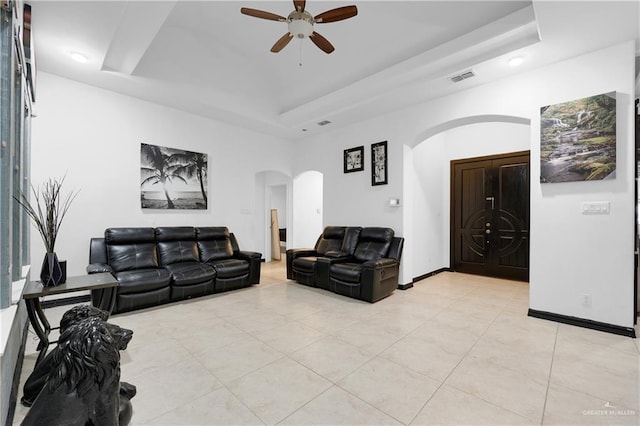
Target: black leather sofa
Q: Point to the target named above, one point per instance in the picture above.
(166, 264)
(363, 263)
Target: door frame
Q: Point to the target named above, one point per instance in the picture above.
(452, 200)
(636, 251)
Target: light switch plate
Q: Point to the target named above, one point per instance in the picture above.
(596, 207)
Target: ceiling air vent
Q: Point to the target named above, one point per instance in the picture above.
(463, 76)
(324, 123)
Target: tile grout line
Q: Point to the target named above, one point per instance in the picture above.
(308, 402)
(198, 397)
(503, 309)
(454, 369)
(371, 405)
(476, 396)
(336, 384)
(224, 385)
(546, 395)
(242, 402)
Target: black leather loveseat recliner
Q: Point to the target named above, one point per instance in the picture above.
(165, 264)
(301, 262)
(365, 267)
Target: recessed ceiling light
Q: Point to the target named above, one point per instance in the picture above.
(78, 57)
(514, 62)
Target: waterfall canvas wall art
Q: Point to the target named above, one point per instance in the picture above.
(172, 178)
(578, 140)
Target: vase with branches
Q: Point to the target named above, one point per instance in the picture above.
(47, 211)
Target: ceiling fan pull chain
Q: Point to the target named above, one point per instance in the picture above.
(300, 44)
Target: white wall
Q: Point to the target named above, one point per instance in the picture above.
(94, 137)
(279, 202)
(307, 223)
(349, 198)
(576, 254)
(571, 254)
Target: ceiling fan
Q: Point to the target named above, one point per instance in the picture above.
(301, 23)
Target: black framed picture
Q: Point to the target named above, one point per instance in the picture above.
(172, 178)
(354, 159)
(379, 163)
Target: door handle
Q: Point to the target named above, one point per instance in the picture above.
(492, 199)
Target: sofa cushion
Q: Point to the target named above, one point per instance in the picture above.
(129, 235)
(347, 272)
(177, 251)
(214, 250)
(131, 248)
(214, 243)
(373, 244)
(230, 268)
(142, 280)
(187, 273)
(305, 264)
(175, 233)
(330, 240)
(176, 244)
(128, 257)
(351, 235)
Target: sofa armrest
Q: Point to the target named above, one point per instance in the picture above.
(97, 268)
(301, 252)
(322, 272)
(292, 254)
(380, 263)
(249, 255)
(337, 256)
(379, 278)
(98, 250)
(255, 262)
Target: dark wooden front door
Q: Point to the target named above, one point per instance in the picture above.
(490, 216)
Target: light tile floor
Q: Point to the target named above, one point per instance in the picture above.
(455, 349)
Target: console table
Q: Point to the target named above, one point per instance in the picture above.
(34, 290)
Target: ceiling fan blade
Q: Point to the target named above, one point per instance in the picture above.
(281, 43)
(262, 14)
(321, 42)
(338, 14)
(299, 5)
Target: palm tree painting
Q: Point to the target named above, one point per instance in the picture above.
(172, 178)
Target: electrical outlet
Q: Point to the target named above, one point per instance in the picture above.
(586, 300)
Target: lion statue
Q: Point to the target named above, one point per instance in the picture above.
(83, 385)
(38, 378)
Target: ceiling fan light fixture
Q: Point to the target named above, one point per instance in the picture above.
(300, 24)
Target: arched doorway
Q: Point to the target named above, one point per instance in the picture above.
(273, 191)
(429, 180)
